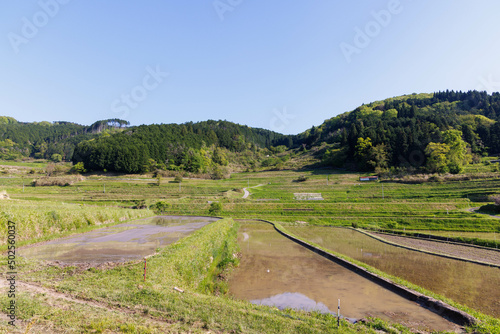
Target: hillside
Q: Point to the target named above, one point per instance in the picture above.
(396, 132)
(43, 140)
(439, 132)
(193, 147)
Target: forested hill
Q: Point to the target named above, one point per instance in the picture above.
(397, 132)
(436, 132)
(45, 140)
(193, 147)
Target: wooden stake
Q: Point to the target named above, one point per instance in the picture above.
(338, 315)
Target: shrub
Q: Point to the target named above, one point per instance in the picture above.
(78, 168)
(140, 204)
(56, 157)
(178, 178)
(301, 178)
(46, 181)
(215, 208)
(160, 207)
(217, 174)
(392, 225)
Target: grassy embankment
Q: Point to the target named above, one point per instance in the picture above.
(430, 206)
(196, 264)
(45, 213)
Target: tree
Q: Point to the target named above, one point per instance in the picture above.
(219, 157)
(362, 152)
(56, 157)
(378, 155)
(160, 207)
(78, 168)
(458, 148)
(215, 208)
(437, 157)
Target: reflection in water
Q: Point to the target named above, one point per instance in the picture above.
(293, 300)
(276, 271)
(467, 283)
(124, 242)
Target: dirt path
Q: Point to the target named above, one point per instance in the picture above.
(33, 288)
(464, 252)
(247, 193)
(474, 210)
(54, 298)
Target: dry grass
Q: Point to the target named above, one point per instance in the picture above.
(46, 181)
(422, 178)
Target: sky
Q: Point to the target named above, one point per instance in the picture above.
(279, 65)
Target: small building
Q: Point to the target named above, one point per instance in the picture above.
(368, 178)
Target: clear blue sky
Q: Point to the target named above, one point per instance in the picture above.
(280, 65)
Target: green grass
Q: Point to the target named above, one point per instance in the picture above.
(187, 264)
(426, 206)
(45, 213)
(39, 221)
(35, 164)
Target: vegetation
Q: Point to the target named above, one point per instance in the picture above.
(98, 199)
(44, 140)
(441, 132)
(192, 147)
(430, 151)
(38, 221)
(397, 132)
(191, 265)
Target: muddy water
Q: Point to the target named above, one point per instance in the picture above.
(119, 243)
(470, 284)
(276, 271)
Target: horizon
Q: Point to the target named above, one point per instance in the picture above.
(279, 66)
(220, 120)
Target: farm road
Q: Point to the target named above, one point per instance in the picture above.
(247, 193)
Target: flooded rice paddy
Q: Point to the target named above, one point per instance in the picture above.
(473, 285)
(278, 272)
(119, 243)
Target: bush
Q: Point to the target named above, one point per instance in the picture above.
(215, 209)
(455, 168)
(140, 204)
(78, 168)
(302, 178)
(392, 225)
(160, 207)
(178, 178)
(46, 181)
(217, 174)
(56, 157)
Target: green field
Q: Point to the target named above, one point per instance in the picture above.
(47, 212)
(436, 206)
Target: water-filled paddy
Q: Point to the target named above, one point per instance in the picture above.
(119, 243)
(470, 284)
(276, 271)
